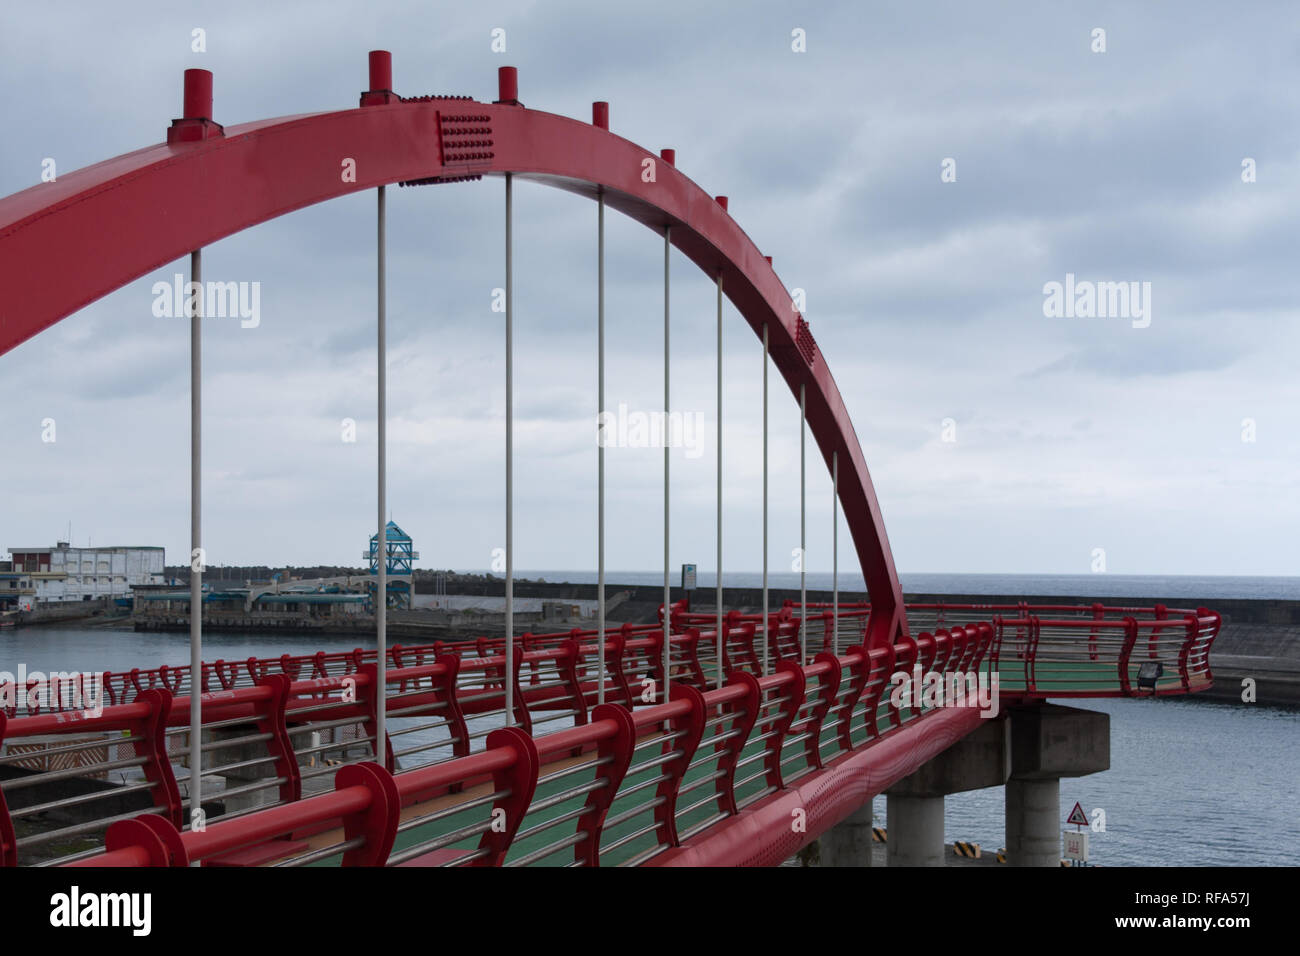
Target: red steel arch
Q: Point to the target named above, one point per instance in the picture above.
(66, 243)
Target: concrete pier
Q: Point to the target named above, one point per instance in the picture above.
(848, 843)
(1033, 821)
(1048, 742)
(1026, 749)
(915, 830)
(914, 806)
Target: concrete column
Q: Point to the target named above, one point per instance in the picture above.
(1048, 742)
(240, 776)
(1033, 817)
(915, 804)
(848, 843)
(915, 830)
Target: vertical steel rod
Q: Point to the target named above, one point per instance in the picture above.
(667, 592)
(510, 443)
(766, 636)
(719, 441)
(803, 524)
(381, 543)
(196, 543)
(603, 436)
(835, 549)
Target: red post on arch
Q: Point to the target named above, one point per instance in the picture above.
(381, 80)
(508, 85)
(381, 70)
(600, 114)
(669, 156)
(195, 123)
(198, 95)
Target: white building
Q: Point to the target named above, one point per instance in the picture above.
(64, 573)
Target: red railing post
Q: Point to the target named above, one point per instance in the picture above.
(517, 783)
(1031, 656)
(691, 726)
(226, 673)
(528, 642)
(654, 652)
(1098, 614)
(793, 689)
(8, 841)
(396, 653)
(110, 693)
(1212, 632)
(927, 651)
(569, 661)
(745, 711)
(961, 644)
(290, 667)
(982, 643)
(127, 834)
(377, 823)
(689, 643)
(613, 755)
(1126, 652)
(906, 655)
(150, 733)
(947, 650)
(995, 657)
(367, 696)
(171, 839)
(828, 686)
(1193, 630)
(859, 673)
(522, 716)
(1153, 644)
(448, 692)
(882, 667)
(279, 745)
(257, 669)
(614, 645)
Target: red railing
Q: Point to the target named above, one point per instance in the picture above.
(274, 738)
(633, 783)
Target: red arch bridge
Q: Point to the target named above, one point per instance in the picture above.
(731, 737)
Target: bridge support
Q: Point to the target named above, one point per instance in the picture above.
(1048, 742)
(915, 830)
(848, 843)
(914, 805)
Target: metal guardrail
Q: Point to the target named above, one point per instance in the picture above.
(277, 727)
(621, 787)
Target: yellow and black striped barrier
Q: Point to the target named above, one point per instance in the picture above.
(969, 850)
(879, 835)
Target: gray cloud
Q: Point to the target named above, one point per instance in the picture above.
(925, 297)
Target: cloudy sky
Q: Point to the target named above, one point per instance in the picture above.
(927, 297)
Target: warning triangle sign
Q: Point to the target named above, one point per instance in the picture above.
(1077, 816)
